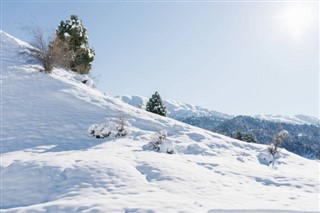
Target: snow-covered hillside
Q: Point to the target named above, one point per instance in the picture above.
(49, 163)
(176, 109)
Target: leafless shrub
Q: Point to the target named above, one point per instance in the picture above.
(58, 50)
(121, 127)
(41, 43)
(273, 149)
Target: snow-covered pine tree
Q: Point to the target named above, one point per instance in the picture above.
(74, 34)
(156, 106)
(246, 136)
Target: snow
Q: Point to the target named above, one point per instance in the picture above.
(49, 163)
(66, 35)
(90, 52)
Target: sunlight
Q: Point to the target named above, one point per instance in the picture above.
(296, 19)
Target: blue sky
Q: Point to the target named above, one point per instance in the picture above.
(234, 57)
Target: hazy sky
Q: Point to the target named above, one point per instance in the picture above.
(233, 57)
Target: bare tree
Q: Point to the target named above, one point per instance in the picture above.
(41, 43)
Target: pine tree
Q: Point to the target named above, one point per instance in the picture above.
(247, 137)
(156, 106)
(239, 136)
(75, 38)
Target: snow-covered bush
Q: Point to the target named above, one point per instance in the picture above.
(121, 130)
(100, 130)
(272, 153)
(110, 129)
(157, 140)
(273, 149)
(160, 143)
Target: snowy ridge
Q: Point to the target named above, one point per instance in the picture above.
(179, 110)
(297, 119)
(175, 109)
(50, 164)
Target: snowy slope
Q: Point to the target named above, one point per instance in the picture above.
(175, 109)
(50, 164)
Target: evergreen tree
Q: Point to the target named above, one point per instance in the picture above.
(239, 136)
(75, 39)
(156, 106)
(247, 137)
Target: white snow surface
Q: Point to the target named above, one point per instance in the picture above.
(175, 109)
(49, 163)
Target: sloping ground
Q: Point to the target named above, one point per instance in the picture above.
(49, 163)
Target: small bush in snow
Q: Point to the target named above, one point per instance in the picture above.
(270, 156)
(159, 143)
(99, 130)
(157, 140)
(273, 149)
(121, 130)
(111, 129)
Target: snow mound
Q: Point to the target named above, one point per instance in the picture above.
(49, 163)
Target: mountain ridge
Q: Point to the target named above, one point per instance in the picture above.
(180, 110)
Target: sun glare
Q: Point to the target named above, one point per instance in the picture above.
(297, 18)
